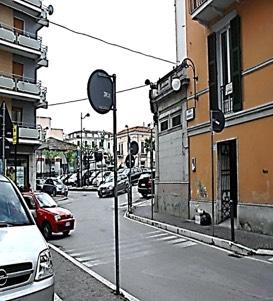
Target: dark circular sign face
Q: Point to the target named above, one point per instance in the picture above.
(127, 161)
(100, 91)
(218, 121)
(134, 148)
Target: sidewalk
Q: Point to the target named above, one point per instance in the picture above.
(73, 283)
(246, 243)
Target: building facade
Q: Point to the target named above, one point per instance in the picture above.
(231, 45)
(169, 104)
(139, 134)
(21, 55)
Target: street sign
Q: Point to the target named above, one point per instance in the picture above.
(100, 91)
(134, 147)
(217, 121)
(15, 134)
(98, 156)
(127, 161)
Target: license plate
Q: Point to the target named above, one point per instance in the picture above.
(67, 224)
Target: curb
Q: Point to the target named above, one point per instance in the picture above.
(219, 242)
(93, 274)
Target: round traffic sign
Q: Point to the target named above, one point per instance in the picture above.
(100, 91)
(134, 148)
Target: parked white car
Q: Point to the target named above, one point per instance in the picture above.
(26, 270)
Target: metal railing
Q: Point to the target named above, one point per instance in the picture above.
(195, 4)
(22, 84)
(23, 38)
(226, 101)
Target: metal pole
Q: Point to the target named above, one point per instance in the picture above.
(115, 184)
(232, 220)
(212, 175)
(152, 178)
(130, 171)
(81, 155)
(3, 139)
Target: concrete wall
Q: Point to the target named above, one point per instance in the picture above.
(256, 218)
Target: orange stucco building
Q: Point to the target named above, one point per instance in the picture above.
(230, 44)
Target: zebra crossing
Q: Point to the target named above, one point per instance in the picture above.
(130, 248)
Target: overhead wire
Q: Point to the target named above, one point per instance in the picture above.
(82, 99)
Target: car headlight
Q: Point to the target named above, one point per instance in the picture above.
(110, 187)
(45, 266)
(57, 217)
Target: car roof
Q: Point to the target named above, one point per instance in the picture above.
(3, 178)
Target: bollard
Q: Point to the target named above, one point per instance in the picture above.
(232, 220)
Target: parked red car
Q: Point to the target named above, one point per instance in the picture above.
(48, 216)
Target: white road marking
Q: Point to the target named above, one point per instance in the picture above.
(57, 298)
(158, 235)
(170, 237)
(186, 244)
(271, 259)
(177, 241)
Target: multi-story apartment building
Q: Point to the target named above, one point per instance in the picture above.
(230, 44)
(139, 134)
(92, 140)
(21, 55)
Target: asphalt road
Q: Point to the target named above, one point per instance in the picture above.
(157, 265)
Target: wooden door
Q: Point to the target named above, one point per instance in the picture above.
(18, 70)
(18, 25)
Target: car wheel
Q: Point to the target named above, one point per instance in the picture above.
(100, 195)
(46, 230)
(54, 192)
(66, 193)
(66, 233)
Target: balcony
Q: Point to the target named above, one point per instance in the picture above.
(24, 89)
(23, 43)
(33, 8)
(205, 11)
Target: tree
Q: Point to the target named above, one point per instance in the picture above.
(71, 158)
(149, 144)
(50, 155)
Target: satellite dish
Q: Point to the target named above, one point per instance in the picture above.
(100, 91)
(176, 84)
(50, 9)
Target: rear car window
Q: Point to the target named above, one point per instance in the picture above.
(12, 211)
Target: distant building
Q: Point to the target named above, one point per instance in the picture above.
(139, 134)
(46, 131)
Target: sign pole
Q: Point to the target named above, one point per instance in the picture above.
(115, 184)
(3, 140)
(212, 174)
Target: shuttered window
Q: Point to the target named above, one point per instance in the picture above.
(224, 60)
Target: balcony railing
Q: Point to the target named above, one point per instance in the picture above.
(14, 83)
(22, 38)
(205, 11)
(194, 4)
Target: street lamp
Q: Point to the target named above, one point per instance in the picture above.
(150, 125)
(130, 167)
(82, 117)
(186, 63)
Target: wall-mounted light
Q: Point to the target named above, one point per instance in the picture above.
(176, 84)
(186, 63)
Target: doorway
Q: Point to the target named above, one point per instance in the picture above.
(227, 177)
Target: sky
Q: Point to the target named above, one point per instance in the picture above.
(144, 25)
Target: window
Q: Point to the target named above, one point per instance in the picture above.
(93, 144)
(176, 120)
(224, 56)
(120, 148)
(108, 145)
(164, 125)
(16, 115)
(142, 147)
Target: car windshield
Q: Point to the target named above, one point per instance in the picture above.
(12, 211)
(45, 200)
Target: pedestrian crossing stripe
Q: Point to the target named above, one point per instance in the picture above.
(271, 259)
